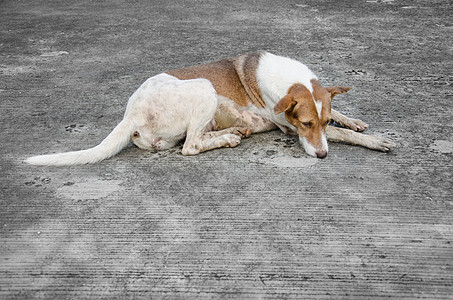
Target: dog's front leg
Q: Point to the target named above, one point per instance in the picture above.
(336, 134)
(354, 124)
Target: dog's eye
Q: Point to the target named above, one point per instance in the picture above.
(136, 134)
(307, 124)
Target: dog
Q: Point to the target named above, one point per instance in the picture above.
(217, 104)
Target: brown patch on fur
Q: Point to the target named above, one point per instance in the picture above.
(300, 111)
(336, 90)
(327, 93)
(246, 66)
(323, 95)
(320, 93)
(223, 77)
(298, 101)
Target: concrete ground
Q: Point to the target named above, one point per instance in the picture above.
(262, 220)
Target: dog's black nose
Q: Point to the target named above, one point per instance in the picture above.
(321, 153)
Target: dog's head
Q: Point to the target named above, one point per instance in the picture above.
(310, 113)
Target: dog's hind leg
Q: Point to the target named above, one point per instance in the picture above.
(336, 134)
(197, 141)
(243, 132)
(354, 124)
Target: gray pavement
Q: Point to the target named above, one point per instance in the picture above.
(262, 220)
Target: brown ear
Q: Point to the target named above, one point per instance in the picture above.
(336, 90)
(285, 104)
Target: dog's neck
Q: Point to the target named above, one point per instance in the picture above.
(275, 76)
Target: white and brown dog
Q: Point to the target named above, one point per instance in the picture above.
(216, 104)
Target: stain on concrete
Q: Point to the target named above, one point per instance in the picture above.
(76, 128)
(93, 189)
(442, 146)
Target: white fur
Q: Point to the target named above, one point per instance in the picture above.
(162, 111)
(275, 75)
(307, 146)
(325, 145)
(111, 145)
(312, 150)
(165, 109)
(318, 105)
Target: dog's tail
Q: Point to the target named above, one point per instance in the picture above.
(111, 145)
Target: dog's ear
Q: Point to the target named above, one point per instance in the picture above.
(285, 104)
(336, 90)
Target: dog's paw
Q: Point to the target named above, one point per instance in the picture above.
(382, 144)
(231, 140)
(243, 132)
(355, 124)
(191, 149)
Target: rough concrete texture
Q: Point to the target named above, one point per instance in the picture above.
(262, 220)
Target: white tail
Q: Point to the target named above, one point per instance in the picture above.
(111, 145)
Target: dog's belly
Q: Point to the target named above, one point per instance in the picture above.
(229, 114)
